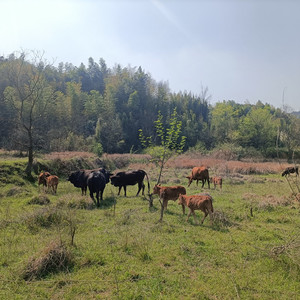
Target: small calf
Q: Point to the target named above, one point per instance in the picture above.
(197, 202)
(52, 183)
(167, 193)
(217, 180)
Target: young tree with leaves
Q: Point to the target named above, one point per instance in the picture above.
(169, 142)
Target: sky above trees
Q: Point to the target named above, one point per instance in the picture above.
(241, 50)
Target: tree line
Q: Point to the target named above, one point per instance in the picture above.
(101, 109)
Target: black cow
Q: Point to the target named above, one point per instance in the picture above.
(290, 170)
(79, 179)
(122, 179)
(96, 182)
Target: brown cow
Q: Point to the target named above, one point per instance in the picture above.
(217, 180)
(199, 173)
(52, 183)
(42, 179)
(194, 202)
(167, 193)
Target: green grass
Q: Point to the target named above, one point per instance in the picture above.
(123, 252)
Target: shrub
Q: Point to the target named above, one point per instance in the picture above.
(221, 220)
(40, 200)
(76, 202)
(44, 217)
(52, 259)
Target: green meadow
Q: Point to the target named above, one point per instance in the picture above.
(63, 247)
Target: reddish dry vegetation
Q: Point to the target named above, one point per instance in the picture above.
(222, 166)
(184, 161)
(69, 155)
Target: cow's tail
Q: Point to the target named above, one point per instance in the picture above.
(148, 183)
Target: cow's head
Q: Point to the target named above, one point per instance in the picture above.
(42, 179)
(74, 177)
(106, 174)
(156, 189)
(115, 180)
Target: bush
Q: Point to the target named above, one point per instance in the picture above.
(40, 200)
(44, 217)
(54, 258)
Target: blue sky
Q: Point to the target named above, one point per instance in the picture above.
(241, 50)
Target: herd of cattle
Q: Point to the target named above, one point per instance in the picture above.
(97, 179)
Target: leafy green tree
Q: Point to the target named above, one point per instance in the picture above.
(258, 129)
(223, 122)
(168, 142)
(289, 133)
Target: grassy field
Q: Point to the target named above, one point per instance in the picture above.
(68, 249)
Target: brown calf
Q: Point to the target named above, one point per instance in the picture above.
(199, 173)
(196, 202)
(217, 180)
(167, 193)
(42, 179)
(52, 183)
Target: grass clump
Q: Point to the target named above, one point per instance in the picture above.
(52, 259)
(221, 220)
(39, 200)
(44, 217)
(76, 202)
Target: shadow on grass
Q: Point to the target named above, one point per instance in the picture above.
(107, 202)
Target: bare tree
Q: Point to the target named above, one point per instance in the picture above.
(27, 94)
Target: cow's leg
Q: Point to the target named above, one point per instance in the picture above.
(183, 209)
(194, 215)
(143, 187)
(208, 183)
(165, 203)
(190, 212)
(120, 187)
(125, 190)
(92, 196)
(97, 196)
(139, 188)
(197, 182)
(205, 215)
(203, 181)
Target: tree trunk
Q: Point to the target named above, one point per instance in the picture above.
(30, 156)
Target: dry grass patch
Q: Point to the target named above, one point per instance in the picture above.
(221, 220)
(52, 259)
(223, 166)
(43, 217)
(271, 201)
(76, 202)
(120, 161)
(40, 200)
(68, 155)
(267, 201)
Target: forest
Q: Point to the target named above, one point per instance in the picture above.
(44, 108)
